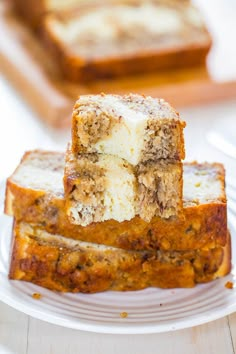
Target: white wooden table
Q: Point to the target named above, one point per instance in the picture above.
(19, 131)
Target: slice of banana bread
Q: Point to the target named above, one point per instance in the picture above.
(35, 194)
(133, 127)
(63, 264)
(100, 187)
(116, 38)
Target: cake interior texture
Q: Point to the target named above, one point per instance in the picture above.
(100, 187)
(133, 127)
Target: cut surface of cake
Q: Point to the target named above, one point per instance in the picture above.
(114, 38)
(133, 127)
(63, 264)
(35, 194)
(100, 187)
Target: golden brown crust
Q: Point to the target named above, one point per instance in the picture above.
(66, 265)
(203, 226)
(30, 11)
(77, 68)
(226, 265)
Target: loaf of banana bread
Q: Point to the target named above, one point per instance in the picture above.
(134, 127)
(117, 38)
(35, 194)
(63, 264)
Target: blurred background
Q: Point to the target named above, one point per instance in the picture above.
(52, 51)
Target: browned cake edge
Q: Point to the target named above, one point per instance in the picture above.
(31, 12)
(62, 266)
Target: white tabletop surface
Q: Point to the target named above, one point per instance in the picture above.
(21, 130)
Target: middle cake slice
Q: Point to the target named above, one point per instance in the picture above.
(35, 195)
(100, 187)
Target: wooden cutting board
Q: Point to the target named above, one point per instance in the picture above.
(25, 63)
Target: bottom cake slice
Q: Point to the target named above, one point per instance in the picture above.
(63, 264)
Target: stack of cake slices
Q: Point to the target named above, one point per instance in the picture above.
(118, 211)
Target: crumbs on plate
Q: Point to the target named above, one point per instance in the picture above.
(36, 296)
(123, 314)
(229, 285)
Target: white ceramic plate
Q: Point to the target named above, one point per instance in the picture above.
(149, 311)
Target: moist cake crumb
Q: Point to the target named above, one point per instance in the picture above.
(132, 127)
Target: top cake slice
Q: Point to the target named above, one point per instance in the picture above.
(133, 127)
